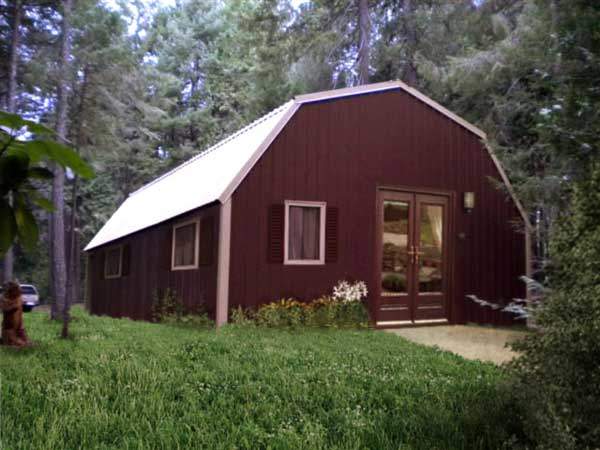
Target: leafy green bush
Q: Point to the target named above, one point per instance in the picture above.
(241, 316)
(557, 378)
(168, 308)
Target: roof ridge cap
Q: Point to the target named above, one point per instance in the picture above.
(214, 147)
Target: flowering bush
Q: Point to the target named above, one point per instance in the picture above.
(322, 312)
(350, 292)
(285, 312)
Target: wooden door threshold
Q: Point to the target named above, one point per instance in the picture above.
(410, 323)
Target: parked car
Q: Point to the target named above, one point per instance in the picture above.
(31, 297)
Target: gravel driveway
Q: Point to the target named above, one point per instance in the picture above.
(468, 341)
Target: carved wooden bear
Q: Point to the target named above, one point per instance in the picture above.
(11, 303)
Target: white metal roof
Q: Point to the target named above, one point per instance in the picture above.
(193, 184)
(214, 174)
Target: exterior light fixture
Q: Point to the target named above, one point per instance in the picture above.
(469, 201)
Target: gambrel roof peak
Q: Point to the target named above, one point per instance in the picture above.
(213, 175)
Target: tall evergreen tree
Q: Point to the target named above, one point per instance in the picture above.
(57, 235)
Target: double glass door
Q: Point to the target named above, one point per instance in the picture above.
(413, 257)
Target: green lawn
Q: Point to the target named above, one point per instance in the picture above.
(125, 384)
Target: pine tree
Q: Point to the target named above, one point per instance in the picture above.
(57, 234)
(364, 44)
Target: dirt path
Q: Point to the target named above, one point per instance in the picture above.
(471, 342)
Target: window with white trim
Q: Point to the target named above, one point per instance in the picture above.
(113, 262)
(304, 232)
(184, 252)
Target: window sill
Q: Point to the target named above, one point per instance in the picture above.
(311, 262)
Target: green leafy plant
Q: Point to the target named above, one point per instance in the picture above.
(556, 378)
(167, 307)
(21, 173)
(241, 316)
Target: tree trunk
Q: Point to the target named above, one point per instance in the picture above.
(73, 272)
(72, 287)
(410, 72)
(59, 268)
(554, 11)
(11, 107)
(364, 45)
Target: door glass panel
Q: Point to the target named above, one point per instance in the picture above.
(395, 260)
(430, 248)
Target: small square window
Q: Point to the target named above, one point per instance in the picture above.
(304, 233)
(112, 262)
(185, 246)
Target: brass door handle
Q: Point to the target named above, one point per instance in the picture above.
(414, 254)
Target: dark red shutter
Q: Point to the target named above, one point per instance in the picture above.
(126, 260)
(166, 238)
(207, 239)
(331, 234)
(276, 229)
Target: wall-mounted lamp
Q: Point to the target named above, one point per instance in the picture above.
(469, 201)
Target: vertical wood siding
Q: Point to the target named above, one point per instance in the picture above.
(149, 270)
(340, 152)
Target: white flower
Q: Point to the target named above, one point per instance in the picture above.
(349, 293)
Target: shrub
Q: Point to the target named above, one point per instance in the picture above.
(241, 316)
(169, 308)
(557, 378)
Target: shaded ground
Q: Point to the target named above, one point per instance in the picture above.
(45, 308)
(471, 341)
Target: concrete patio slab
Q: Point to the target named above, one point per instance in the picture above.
(468, 341)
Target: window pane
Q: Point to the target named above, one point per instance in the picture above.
(304, 233)
(185, 245)
(395, 261)
(113, 260)
(430, 267)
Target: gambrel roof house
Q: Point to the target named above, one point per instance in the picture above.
(375, 182)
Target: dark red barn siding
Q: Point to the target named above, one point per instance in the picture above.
(150, 270)
(340, 151)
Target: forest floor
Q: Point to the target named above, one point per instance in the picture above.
(123, 384)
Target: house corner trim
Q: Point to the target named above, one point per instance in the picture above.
(222, 304)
